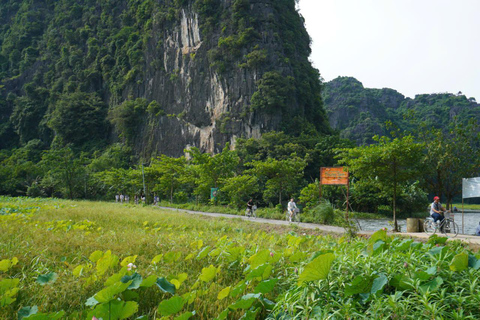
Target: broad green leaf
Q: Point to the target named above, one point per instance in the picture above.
(422, 275)
(208, 274)
(432, 286)
(379, 283)
(157, 258)
(435, 239)
(27, 311)
(259, 258)
(5, 264)
(297, 256)
(215, 252)
(46, 278)
(250, 314)
(95, 256)
(77, 272)
(136, 281)
(149, 281)
(245, 302)
(238, 289)
(107, 294)
(404, 245)
(360, 284)
(378, 235)
(115, 310)
(378, 247)
(260, 271)
(402, 282)
(165, 285)
(224, 293)
(317, 269)
(106, 262)
(189, 257)
(202, 254)
(234, 253)
(437, 250)
(223, 315)
(172, 256)
(171, 306)
(473, 262)
(265, 286)
(116, 277)
(185, 316)
(459, 262)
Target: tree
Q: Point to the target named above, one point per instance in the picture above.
(212, 171)
(79, 118)
(450, 156)
(169, 171)
(239, 189)
(388, 165)
(281, 177)
(63, 171)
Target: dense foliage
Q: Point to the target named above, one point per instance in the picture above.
(360, 113)
(79, 260)
(79, 70)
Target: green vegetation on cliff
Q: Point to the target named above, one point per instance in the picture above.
(65, 65)
(359, 113)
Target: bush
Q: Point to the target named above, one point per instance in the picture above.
(324, 213)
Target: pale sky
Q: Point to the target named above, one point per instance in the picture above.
(412, 46)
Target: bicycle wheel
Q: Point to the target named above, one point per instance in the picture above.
(450, 228)
(429, 226)
(247, 213)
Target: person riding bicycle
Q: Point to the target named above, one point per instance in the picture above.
(250, 206)
(436, 210)
(291, 207)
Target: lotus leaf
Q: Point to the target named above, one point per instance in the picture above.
(165, 285)
(46, 278)
(171, 306)
(317, 269)
(265, 286)
(114, 310)
(459, 262)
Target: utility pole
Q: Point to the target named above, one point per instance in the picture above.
(143, 177)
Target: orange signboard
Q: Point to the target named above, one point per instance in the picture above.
(333, 176)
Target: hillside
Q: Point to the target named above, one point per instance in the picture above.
(359, 113)
(159, 76)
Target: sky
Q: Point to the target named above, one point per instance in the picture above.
(412, 46)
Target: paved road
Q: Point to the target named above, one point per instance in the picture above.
(471, 240)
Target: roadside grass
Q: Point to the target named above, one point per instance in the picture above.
(79, 259)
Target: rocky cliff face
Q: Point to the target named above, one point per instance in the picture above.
(209, 71)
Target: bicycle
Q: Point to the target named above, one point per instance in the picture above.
(294, 217)
(250, 213)
(448, 226)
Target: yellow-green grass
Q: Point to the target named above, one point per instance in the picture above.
(60, 235)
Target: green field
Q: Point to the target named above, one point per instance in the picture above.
(78, 260)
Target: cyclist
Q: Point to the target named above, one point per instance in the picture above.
(250, 206)
(291, 207)
(436, 210)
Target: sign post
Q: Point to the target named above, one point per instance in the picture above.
(334, 176)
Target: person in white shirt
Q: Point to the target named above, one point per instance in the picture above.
(291, 207)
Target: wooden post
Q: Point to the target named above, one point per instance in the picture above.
(463, 220)
(320, 185)
(348, 188)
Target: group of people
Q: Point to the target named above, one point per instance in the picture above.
(437, 213)
(291, 207)
(120, 198)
